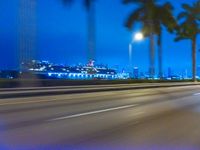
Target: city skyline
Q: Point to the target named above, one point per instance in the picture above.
(100, 74)
(59, 27)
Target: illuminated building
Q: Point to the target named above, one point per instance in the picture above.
(89, 71)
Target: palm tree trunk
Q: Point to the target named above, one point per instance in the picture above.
(194, 59)
(160, 61)
(152, 56)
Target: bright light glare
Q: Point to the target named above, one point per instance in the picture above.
(138, 36)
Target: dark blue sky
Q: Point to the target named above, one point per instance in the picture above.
(62, 35)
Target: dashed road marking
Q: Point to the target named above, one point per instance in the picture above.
(92, 112)
(196, 94)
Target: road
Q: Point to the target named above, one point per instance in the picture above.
(158, 118)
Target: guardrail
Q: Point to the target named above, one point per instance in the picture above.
(12, 83)
(44, 91)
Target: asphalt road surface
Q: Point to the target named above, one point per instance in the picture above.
(160, 118)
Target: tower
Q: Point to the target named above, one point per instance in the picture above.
(136, 73)
(27, 31)
(91, 30)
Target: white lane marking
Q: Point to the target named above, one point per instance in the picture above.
(196, 94)
(92, 112)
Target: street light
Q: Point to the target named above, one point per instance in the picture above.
(135, 38)
(138, 36)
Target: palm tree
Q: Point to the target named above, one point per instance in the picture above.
(189, 28)
(165, 18)
(89, 5)
(152, 16)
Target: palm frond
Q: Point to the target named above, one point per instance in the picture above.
(179, 38)
(135, 16)
(182, 15)
(134, 1)
(168, 6)
(187, 7)
(190, 26)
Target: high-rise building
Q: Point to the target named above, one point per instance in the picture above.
(169, 72)
(136, 73)
(198, 71)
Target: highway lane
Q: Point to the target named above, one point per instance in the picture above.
(103, 119)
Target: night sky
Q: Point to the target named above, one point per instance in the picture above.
(62, 36)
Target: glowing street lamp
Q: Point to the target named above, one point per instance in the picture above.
(138, 36)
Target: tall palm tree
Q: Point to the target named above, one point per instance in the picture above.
(189, 28)
(90, 8)
(164, 15)
(152, 16)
